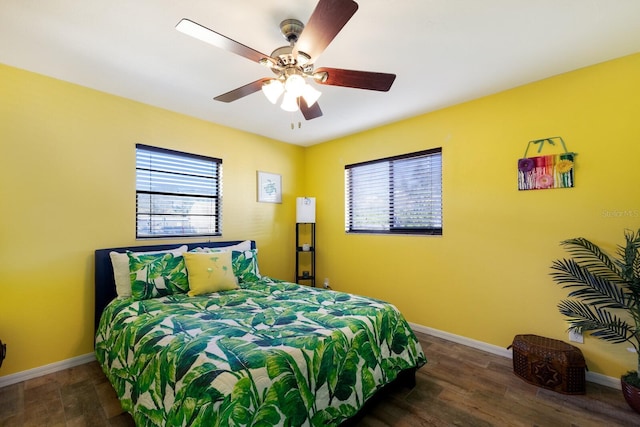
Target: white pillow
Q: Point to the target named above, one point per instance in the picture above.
(240, 247)
(120, 262)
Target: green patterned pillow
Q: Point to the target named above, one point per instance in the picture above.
(245, 265)
(157, 275)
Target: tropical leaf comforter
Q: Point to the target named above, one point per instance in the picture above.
(270, 353)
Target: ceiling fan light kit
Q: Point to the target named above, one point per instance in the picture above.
(294, 64)
(293, 87)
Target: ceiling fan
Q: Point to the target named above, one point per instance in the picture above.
(293, 65)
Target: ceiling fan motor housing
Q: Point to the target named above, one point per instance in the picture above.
(286, 59)
(291, 29)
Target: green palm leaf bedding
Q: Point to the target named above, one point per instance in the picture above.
(268, 354)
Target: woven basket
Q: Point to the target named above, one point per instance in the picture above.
(549, 363)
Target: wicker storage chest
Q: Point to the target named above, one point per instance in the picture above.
(549, 363)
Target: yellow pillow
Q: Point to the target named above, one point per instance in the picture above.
(209, 272)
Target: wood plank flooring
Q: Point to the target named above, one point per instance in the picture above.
(460, 386)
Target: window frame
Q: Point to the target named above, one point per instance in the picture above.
(391, 229)
(215, 196)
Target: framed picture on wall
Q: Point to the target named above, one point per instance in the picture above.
(269, 187)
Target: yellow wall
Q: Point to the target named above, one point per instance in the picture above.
(487, 277)
(67, 187)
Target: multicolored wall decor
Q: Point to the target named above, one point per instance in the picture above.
(542, 172)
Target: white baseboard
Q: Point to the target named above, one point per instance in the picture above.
(46, 369)
(501, 351)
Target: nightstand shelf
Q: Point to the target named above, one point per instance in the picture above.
(306, 253)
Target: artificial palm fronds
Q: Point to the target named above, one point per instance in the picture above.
(604, 296)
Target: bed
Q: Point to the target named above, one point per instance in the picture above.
(263, 352)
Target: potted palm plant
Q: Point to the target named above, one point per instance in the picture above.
(604, 297)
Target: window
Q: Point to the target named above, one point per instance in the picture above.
(177, 194)
(396, 195)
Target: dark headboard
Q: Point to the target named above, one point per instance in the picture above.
(105, 285)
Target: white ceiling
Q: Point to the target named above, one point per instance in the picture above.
(443, 51)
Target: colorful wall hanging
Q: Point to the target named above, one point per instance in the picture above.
(543, 172)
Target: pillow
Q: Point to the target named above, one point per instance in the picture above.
(245, 265)
(209, 272)
(120, 263)
(157, 275)
(242, 246)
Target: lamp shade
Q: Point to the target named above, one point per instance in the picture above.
(272, 90)
(310, 94)
(306, 209)
(295, 85)
(289, 102)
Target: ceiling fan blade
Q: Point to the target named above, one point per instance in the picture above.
(354, 79)
(242, 91)
(200, 32)
(309, 112)
(325, 23)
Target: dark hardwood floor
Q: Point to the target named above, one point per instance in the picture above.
(460, 386)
